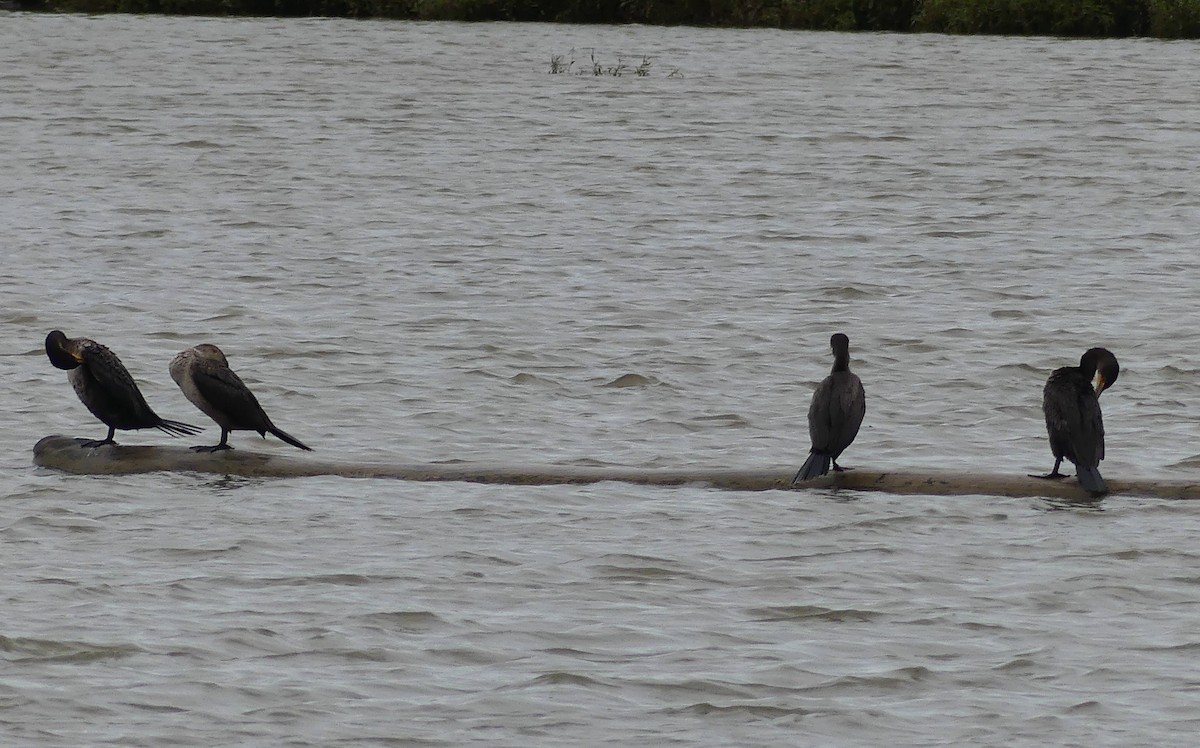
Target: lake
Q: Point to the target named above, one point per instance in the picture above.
(417, 244)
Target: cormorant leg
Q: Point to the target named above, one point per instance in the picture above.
(838, 468)
(1053, 474)
(101, 442)
(219, 446)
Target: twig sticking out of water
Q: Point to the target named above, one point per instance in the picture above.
(565, 65)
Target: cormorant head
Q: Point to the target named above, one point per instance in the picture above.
(62, 351)
(841, 351)
(1104, 364)
(211, 352)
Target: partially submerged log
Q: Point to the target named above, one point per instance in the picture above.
(65, 454)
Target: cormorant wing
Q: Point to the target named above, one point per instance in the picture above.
(226, 392)
(1093, 426)
(1060, 419)
(851, 403)
(111, 374)
(1073, 418)
(820, 417)
(836, 412)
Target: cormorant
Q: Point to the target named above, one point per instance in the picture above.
(838, 406)
(106, 388)
(1073, 419)
(204, 375)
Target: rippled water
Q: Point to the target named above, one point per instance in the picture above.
(417, 244)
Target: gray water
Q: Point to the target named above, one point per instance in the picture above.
(416, 244)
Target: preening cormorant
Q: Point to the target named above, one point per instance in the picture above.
(838, 406)
(106, 388)
(204, 375)
(1073, 420)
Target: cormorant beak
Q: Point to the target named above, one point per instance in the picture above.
(62, 358)
(1106, 378)
(1107, 369)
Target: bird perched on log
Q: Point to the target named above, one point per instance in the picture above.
(106, 387)
(203, 373)
(1071, 405)
(835, 414)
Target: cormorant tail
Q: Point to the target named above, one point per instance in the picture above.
(285, 436)
(1089, 478)
(815, 466)
(177, 428)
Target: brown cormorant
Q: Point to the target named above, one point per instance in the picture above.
(106, 388)
(836, 412)
(1073, 419)
(204, 375)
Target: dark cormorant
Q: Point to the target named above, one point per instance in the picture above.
(836, 412)
(106, 388)
(1073, 419)
(206, 379)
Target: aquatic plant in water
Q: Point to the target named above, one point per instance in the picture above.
(565, 65)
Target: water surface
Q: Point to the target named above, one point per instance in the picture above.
(416, 244)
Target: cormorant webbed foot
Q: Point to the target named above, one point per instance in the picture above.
(96, 443)
(213, 448)
(1052, 475)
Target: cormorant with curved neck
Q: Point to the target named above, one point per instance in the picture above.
(203, 373)
(838, 406)
(1073, 419)
(105, 386)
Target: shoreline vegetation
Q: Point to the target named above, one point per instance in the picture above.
(1166, 19)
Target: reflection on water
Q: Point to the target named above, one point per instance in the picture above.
(420, 246)
(231, 483)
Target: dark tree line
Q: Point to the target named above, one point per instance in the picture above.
(1096, 18)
